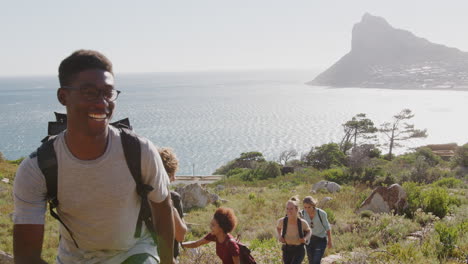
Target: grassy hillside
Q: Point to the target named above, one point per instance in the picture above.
(378, 238)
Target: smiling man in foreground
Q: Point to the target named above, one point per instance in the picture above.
(106, 210)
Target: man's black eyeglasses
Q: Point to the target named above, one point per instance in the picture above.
(92, 94)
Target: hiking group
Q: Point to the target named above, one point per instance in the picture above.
(109, 188)
(304, 231)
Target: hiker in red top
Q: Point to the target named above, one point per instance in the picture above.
(223, 222)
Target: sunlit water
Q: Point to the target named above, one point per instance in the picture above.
(210, 118)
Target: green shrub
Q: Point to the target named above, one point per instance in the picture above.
(429, 156)
(248, 160)
(2, 157)
(414, 198)
(267, 170)
(461, 156)
(330, 215)
(448, 236)
(370, 174)
(362, 196)
(235, 171)
(450, 182)
(436, 200)
(423, 218)
(338, 175)
(366, 214)
(325, 156)
(384, 181)
(453, 200)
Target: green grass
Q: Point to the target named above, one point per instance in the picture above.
(258, 205)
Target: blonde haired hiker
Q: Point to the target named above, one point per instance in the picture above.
(293, 232)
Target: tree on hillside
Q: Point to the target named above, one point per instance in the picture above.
(398, 130)
(287, 155)
(359, 126)
(325, 156)
(461, 156)
(360, 157)
(247, 160)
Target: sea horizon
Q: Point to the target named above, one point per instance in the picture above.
(210, 118)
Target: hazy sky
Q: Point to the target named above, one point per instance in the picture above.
(194, 35)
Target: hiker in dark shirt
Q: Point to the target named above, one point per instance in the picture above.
(223, 222)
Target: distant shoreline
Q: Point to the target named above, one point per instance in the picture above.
(392, 88)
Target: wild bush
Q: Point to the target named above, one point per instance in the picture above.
(461, 156)
(338, 175)
(413, 196)
(448, 236)
(325, 156)
(449, 182)
(436, 201)
(330, 215)
(267, 170)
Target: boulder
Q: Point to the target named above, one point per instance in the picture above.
(324, 201)
(386, 199)
(327, 185)
(6, 258)
(194, 195)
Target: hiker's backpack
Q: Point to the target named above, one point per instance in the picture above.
(244, 253)
(47, 161)
(285, 227)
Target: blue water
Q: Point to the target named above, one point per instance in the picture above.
(210, 118)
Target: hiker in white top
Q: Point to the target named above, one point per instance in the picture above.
(97, 195)
(318, 221)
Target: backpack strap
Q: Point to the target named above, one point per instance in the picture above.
(285, 226)
(318, 212)
(132, 152)
(47, 162)
(299, 228)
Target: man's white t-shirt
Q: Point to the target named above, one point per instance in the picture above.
(98, 201)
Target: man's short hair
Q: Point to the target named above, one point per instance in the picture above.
(82, 60)
(170, 161)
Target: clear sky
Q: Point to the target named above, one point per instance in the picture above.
(200, 35)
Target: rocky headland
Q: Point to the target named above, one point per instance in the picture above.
(382, 56)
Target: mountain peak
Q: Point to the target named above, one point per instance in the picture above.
(383, 56)
(368, 18)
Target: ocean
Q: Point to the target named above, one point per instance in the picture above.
(209, 118)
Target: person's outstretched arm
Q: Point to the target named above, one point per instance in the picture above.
(27, 243)
(195, 244)
(163, 222)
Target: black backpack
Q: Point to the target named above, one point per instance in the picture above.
(285, 227)
(47, 161)
(244, 253)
